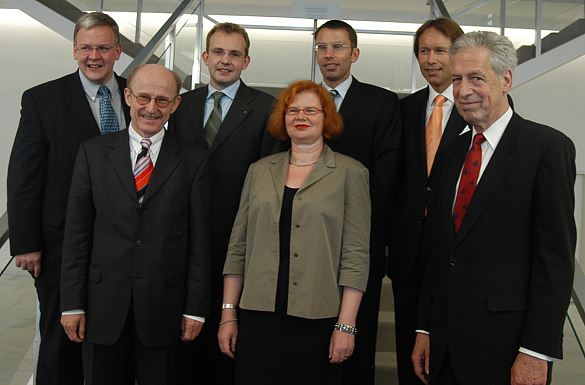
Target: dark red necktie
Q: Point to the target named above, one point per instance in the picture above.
(468, 181)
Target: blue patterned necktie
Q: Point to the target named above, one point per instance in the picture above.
(107, 115)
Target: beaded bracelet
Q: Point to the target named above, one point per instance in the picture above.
(345, 328)
(227, 320)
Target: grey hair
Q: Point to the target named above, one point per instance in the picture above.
(502, 53)
(96, 19)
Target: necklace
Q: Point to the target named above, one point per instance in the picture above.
(300, 165)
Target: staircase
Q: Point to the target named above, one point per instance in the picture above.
(553, 40)
(386, 372)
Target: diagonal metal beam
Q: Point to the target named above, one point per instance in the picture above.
(157, 39)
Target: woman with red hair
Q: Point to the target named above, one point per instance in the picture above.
(298, 258)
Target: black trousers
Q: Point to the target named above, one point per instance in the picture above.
(59, 359)
(128, 361)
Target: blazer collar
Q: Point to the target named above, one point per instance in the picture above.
(352, 101)
(79, 107)
(279, 168)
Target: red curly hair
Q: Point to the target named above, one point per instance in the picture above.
(333, 124)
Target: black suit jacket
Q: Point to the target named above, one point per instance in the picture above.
(155, 256)
(406, 228)
(242, 139)
(55, 119)
(371, 135)
(505, 280)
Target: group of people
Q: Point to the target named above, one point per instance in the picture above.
(246, 243)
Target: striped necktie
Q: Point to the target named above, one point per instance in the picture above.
(143, 170)
(108, 118)
(214, 121)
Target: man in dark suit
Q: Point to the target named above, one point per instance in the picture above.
(136, 253)
(233, 131)
(408, 241)
(55, 118)
(503, 235)
(371, 135)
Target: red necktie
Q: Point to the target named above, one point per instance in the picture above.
(434, 131)
(468, 181)
(143, 170)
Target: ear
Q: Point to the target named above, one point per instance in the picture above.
(205, 57)
(176, 104)
(507, 80)
(127, 96)
(246, 62)
(355, 55)
(118, 51)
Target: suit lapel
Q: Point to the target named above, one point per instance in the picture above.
(166, 162)
(279, 170)
(505, 156)
(352, 101)
(119, 157)
(196, 112)
(240, 108)
(122, 85)
(78, 106)
(419, 125)
(323, 167)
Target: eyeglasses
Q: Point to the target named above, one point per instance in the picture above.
(335, 47)
(306, 111)
(219, 53)
(86, 51)
(160, 101)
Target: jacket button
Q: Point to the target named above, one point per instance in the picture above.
(294, 283)
(297, 226)
(138, 242)
(429, 189)
(129, 278)
(295, 254)
(137, 209)
(453, 262)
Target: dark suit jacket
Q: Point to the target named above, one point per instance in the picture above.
(55, 119)
(242, 139)
(371, 135)
(504, 281)
(155, 257)
(406, 228)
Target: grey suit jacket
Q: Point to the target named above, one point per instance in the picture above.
(155, 256)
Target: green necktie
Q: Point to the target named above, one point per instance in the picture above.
(214, 121)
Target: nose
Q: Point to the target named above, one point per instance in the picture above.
(329, 52)
(226, 57)
(94, 55)
(463, 89)
(151, 107)
(432, 58)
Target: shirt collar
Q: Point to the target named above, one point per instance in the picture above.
(448, 93)
(342, 87)
(230, 91)
(135, 138)
(494, 133)
(91, 88)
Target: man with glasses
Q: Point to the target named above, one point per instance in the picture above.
(55, 118)
(228, 119)
(371, 135)
(136, 252)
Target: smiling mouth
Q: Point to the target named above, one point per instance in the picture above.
(224, 71)
(94, 66)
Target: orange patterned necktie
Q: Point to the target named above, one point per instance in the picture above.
(434, 131)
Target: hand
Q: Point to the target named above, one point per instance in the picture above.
(74, 325)
(528, 370)
(341, 346)
(30, 262)
(228, 338)
(190, 329)
(420, 357)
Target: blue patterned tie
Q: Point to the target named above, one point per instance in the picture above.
(107, 114)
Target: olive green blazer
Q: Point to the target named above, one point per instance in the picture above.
(330, 235)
